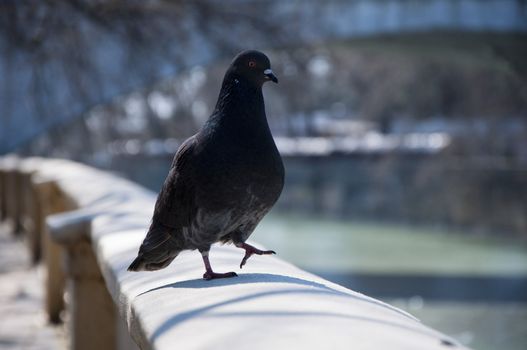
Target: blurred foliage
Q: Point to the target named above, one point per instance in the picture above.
(59, 58)
(471, 94)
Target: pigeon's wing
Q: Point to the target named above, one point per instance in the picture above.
(175, 204)
(173, 210)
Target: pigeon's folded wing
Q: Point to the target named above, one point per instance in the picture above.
(175, 203)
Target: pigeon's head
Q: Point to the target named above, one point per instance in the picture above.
(253, 66)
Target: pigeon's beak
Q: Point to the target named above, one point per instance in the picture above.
(270, 75)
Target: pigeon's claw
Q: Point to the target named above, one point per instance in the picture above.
(210, 275)
(244, 260)
(250, 250)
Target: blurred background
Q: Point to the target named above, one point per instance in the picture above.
(402, 124)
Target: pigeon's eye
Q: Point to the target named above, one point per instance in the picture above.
(252, 64)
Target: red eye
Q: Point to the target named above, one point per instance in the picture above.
(252, 64)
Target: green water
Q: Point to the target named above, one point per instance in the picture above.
(350, 247)
(479, 325)
(319, 244)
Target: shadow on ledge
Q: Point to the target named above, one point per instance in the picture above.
(265, 278)
(248, 278)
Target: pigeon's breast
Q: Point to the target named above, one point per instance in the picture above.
(233, 174)
(235, 189)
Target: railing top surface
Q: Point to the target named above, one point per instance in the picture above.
(271, 304)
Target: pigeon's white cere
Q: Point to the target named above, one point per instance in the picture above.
(268, 71)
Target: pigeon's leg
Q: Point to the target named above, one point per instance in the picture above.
(250, 250)
(209, 274)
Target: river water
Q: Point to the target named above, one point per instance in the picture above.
(473, 288)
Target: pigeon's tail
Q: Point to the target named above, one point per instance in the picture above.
(137, 265)
(141, 264)
(158, 250)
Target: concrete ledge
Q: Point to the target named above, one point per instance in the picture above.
(272, 304)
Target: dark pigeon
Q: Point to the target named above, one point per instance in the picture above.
(223, 180)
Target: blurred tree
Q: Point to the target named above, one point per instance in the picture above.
(60, 57)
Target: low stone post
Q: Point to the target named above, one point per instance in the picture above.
(92, 310)
(29, 212)
(12, 190)
(2, 191)
(50, 202)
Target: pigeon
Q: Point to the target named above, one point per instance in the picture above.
(223, 180)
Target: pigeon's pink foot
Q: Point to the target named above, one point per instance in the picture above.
(210, 275)
(250, 250)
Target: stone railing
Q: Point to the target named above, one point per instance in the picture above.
(86, 226)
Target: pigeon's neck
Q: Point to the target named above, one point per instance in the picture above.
(240, 105)
(240, 95)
